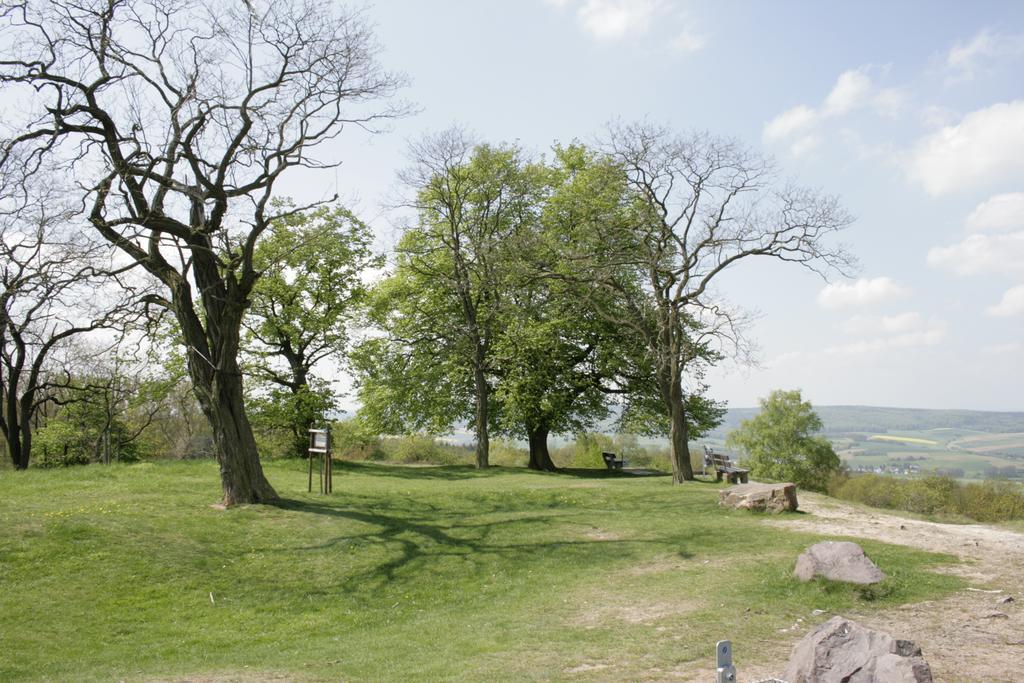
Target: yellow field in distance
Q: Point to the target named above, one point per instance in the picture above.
(903, 439)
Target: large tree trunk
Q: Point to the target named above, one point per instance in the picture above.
(217, 382)
(20, 426)
(540, 458)
(679, 441)
(483, 444)
(241, 474)
(19, 445)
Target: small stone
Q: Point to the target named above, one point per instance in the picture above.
(1006, 601)
(996, 615)
(817, 612)
(903, 527)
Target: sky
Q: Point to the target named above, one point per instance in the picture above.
(911, 112)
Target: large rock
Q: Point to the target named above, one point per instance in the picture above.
(838, 561)
(843, 651)
(760, 497)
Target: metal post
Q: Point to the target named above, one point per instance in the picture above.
(726, 672)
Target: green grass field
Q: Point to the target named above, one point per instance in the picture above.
(404, 573)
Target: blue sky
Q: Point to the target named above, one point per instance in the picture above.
(911, 112)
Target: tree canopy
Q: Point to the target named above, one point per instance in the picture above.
(303, 307)
(781, 443)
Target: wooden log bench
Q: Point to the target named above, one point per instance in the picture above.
(735, 475)
(611, 462)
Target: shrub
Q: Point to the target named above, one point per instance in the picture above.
(506, 454)
(990, 501)
(352, 440)
(422, 449)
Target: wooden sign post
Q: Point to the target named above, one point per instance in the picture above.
(320, 444)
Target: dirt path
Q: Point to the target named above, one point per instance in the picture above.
(968, 636)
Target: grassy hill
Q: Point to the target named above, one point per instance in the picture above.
(404, 573)
(873, 419)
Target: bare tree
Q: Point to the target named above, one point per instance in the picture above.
(179, 119)
(53, 287)
(701, 205)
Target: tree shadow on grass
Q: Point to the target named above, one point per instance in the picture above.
(415, 540)
(412, 471)
(460, 472)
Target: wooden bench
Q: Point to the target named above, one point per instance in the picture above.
(732, 473)
(611, 462)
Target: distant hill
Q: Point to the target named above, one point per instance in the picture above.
(843, 419)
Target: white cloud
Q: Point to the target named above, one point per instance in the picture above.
(1009, 347)
(1011, 304)
(889, 102)
(1001, 213)
(986, 145)
(934, 116)
(860, 293)
(789, 122)
(1001, 254)
(804, 145)
(850, 91)
(911, 321)
(616, 19)
(689, 41)
(966, 59)
(923, 334)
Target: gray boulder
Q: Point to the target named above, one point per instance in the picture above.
(843, 651)
(760, 497)
(838, 561)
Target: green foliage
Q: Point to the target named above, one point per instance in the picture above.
(440, 307)
(289, 414)
(61, 444)
(990, 501)
(310, 291)
(424, 450)
(468, 299)
(588, 448)
(780, 443)
(351, 440)
(79, 434)
(395, 557)
(585, 452)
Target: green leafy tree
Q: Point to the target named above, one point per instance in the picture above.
(558, 360)
(440, 310)
(303, 306)
(780, 443)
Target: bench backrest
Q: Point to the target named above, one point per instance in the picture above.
(721, 460)
(609, 458)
